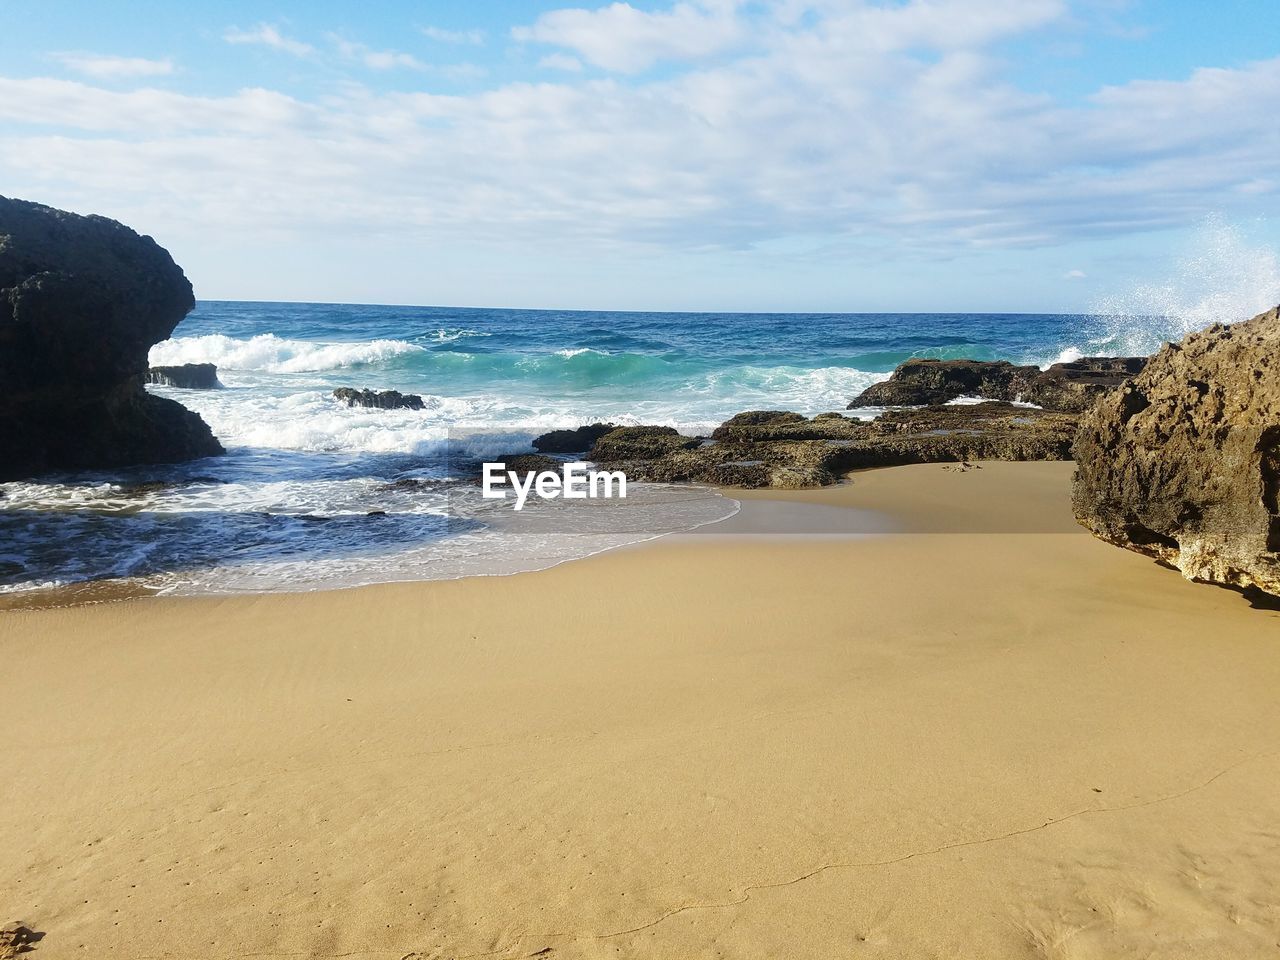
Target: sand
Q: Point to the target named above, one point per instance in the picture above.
(929, 744)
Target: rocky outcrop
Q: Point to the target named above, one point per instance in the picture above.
(922, 382)
(572, 441)
(641, 443)
(1183, 462)
(188, 376)
(1075, 386)
(1068, 387)
(770, 449)
(82, 299)
(379, 399)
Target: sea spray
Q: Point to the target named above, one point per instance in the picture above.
(1224, 278)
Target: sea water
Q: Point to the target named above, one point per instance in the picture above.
(312, 493)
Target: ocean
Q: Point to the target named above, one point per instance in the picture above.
(313, 494)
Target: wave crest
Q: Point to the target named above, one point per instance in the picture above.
(271, 354)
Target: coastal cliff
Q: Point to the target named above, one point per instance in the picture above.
(82, 299)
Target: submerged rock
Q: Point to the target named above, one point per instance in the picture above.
(1069, 387)
(188, 376)
(1183, 462)
(82, 299)
(572, 441)
(793, 451)
(379, 399)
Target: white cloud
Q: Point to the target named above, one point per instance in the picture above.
(106, 67)
(620, 37)
(439, 34)
(897, 128)
(268, 36)
(1074, 275)
(561, 61)
(377, 59)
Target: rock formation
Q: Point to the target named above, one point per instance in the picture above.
(1075, 386)
(922, 382)
(379, 399)
(1183, 462)
(188, 376)
(787, 450)
(1068, 387)
(572, 441)
(82, 299)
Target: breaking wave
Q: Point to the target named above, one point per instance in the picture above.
(272, 354)
(1225, 279)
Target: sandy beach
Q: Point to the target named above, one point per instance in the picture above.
(987, 736)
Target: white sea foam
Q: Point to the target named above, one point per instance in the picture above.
(783, 387)
(271, 354)
(445, 335)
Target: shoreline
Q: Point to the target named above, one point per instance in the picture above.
(863, 503)
(956, 744)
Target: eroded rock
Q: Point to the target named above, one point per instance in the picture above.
(924, 382)
(1068, 387)
(641, 443)
(1183, 462)
(1076, 385)
(794, 451)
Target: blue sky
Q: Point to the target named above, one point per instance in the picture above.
(704, 155)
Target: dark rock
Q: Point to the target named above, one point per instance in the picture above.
(796, 452)
(82, 299)
(1075, 386)
(640, 443)
(955, 434)
(378, 399)
(1183, 462)
(755, 418)
(922, 382)
(1068, 387)
(792, 427)
(188, 376)
(572, 441)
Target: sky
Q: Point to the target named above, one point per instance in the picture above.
(806, 155)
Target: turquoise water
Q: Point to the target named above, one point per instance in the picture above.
(305, 497)
(512, 368)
